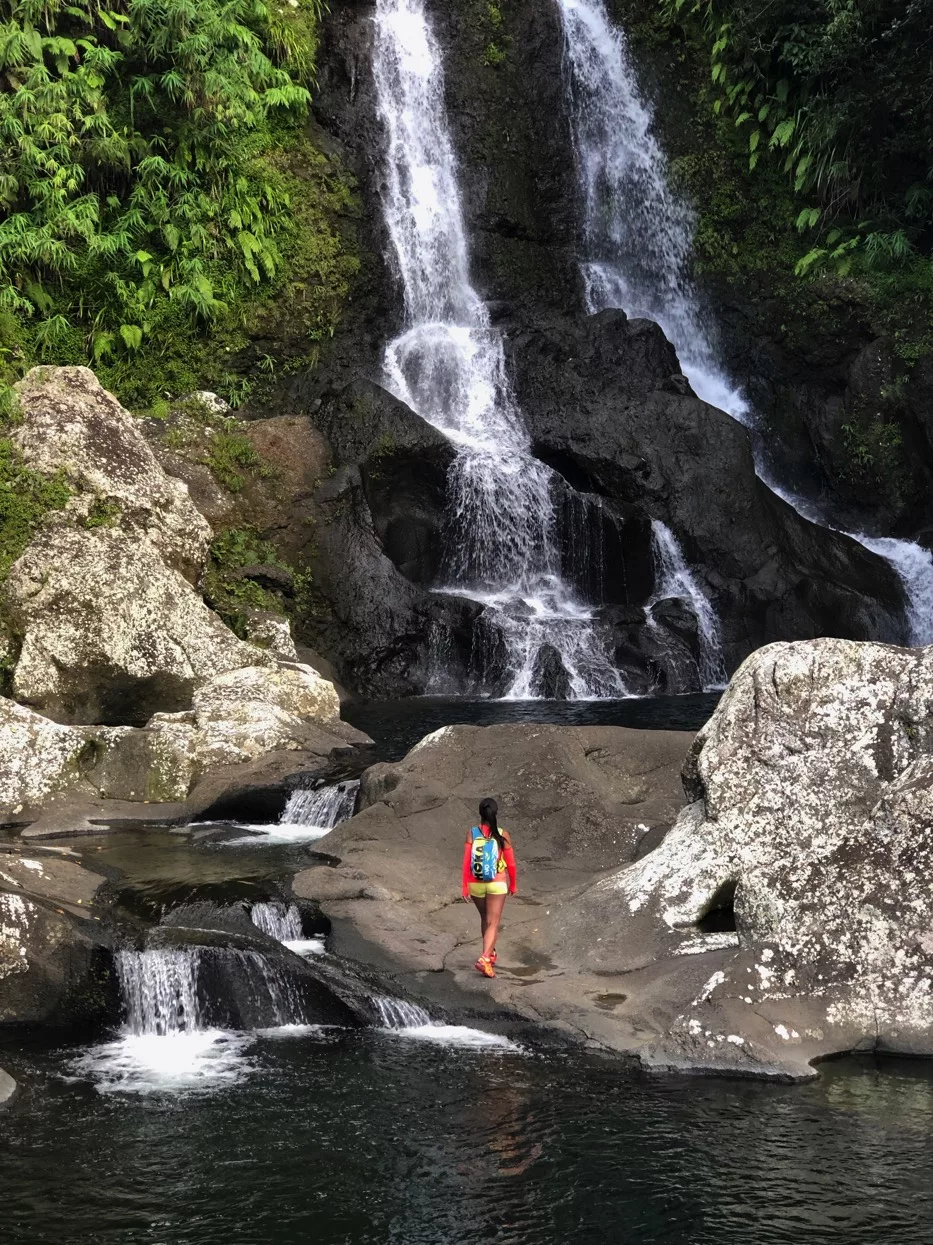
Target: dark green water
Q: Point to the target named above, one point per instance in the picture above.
(397, 725)
(374, 1138)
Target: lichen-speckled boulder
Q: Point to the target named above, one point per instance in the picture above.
(235, 718)
(72, 425)
(37, 757)
(813, 819)
(110, 633)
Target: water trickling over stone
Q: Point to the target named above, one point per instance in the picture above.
(279, 922)
(674, 579)
(322, 808)
(448, 365)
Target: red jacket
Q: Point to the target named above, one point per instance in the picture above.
(508, 856)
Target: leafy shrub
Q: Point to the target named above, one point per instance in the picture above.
(833, 92)
(136, 192)
(229, 593)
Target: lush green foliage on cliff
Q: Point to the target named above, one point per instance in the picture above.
(836, 93)
(145, 186)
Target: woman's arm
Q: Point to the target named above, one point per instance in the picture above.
(510, 864)
(467, 877)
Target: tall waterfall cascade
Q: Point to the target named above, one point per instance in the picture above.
(638, 243)
(448, 365)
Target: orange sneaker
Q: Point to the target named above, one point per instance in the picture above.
(484, 965)
(494, 955)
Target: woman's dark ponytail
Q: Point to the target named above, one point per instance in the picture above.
(488, 809)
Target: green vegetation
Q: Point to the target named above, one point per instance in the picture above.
(104, 512)
(25, 496)
(158, 197)
(834, 94)
(230, 454)
(230, 594)
(497, 49)
(218, 441)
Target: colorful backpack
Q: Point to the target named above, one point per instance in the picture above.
(484, 857)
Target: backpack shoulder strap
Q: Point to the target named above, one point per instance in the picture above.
(475, 832)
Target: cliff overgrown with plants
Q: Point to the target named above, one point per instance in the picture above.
(814, 154)
(159, 194)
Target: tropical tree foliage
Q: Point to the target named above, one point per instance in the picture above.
(132, 137)
(838, 92)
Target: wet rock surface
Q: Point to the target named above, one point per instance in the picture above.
(55, 942)
(779, 918)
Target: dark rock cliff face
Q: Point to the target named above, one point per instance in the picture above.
(603, 399)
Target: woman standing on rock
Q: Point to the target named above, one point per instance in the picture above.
(487, 860)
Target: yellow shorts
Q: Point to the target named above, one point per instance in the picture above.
(479, 890)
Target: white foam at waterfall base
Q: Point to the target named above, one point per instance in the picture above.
(406, 1020)
(165, 1045)
(309, 814)
(448, 365)
(638, 239)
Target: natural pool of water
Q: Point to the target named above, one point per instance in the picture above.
(369, 1137)
(397, 725)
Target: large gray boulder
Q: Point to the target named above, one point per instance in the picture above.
(236, 719)
(813, 821)
(37, 757)
(7, 1087)
(72, 426)
(109, 632)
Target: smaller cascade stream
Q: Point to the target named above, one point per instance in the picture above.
(448, 365)
(284, 924)
(281, 923)
(309, 814)
(638, 239)
(408, 1020)
(170, 1039)
(322, 808)
(674, 579)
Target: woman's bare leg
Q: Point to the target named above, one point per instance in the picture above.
(481, 909)
(494, 906)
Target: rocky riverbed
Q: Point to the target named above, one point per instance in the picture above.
(749, 901)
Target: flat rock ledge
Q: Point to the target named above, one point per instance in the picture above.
(772, 911)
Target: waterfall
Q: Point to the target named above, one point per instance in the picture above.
(285, 926)
(170, 992)
(638, 240)
(638, 237)
(673, 578)
(323, 808)
(408, 1020)
(160, 992)
(279, 922)
(308, 815)
(397, 1014)
(448, 365)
